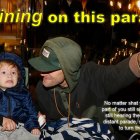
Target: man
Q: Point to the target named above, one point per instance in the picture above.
(71, 89)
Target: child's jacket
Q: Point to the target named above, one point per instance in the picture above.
(16, 103)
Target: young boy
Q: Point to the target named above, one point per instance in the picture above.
(15, 102)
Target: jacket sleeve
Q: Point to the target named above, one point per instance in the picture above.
(28, 106)
(110, 79)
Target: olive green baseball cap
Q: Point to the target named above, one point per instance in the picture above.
(47, 61)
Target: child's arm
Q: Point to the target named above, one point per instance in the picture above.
(32, 120)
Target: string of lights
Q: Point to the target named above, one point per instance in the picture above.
(132, 5)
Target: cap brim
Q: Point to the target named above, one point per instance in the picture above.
(42, 65)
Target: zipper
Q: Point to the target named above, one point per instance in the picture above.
(9, 107)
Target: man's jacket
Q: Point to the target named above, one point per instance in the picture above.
(88, 85)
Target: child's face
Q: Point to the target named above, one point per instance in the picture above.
(8, 76)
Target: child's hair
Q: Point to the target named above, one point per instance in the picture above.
(10, 63)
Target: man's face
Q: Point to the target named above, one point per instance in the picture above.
(54, 78)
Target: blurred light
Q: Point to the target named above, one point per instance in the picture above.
(119, 52)
(5, 45)
(45, 2)
(138, 4)
(111, 3)
(24, 41)
(29, 9)
(136, 46)
(3, 10)
(129, 6)
(125, 42)
(119, 4)
(124, 54)
(103, 60)
(98, 62)
(21, 41)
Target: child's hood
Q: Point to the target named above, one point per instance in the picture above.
(18, 61)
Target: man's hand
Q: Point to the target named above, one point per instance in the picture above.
(8, 124)
(41, 119)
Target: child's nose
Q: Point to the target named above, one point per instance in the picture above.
(9, 74)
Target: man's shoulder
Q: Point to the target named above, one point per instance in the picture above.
(89, 65)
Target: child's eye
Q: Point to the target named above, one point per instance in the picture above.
(13, 73)
(3, 72)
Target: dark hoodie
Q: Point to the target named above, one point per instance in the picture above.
(89, 85)
(16, 102)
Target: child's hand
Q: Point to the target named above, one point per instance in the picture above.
(36, 131)
(8, 124)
